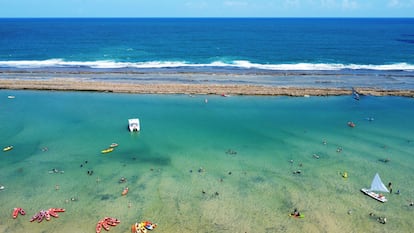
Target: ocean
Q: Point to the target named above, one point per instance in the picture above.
(206, 163)
(303, 49)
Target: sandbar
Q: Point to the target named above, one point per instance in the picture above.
(70, 84)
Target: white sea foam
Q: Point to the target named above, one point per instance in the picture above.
(241, 64)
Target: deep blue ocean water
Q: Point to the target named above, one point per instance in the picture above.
(212, 44)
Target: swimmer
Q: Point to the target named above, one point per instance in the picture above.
(54, 170)
(382, 220)
(122, 180)
(386, 160)
(231, 152)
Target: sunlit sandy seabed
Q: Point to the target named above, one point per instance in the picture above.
(222, 165)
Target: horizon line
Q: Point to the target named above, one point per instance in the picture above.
(209, 17)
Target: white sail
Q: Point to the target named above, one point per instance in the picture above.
(377, 184)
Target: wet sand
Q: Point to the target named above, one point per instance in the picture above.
(62, 84)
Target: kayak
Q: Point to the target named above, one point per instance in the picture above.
(7, 148)
(107, 150)
(294, 216)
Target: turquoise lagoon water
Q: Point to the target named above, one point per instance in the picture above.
(222, 165)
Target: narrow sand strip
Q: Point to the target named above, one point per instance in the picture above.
(61, 84)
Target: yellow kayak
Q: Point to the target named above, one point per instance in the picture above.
(107, 150)
(7, 148)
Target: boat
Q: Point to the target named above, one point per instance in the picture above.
(378, 186)
(110, 149)
(17, 211)
(133, 125)
(7, 148)
(113, 145)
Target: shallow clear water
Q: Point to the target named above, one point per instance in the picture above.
(222, 166)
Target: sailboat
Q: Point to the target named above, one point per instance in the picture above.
(378, 186)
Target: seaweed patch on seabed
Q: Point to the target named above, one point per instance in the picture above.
(258, 179)
(221, 227)
(142, 187)
(281, 228)
(165, 161)
(157, 160)
(105, 197)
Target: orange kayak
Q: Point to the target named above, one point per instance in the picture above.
(125, 191)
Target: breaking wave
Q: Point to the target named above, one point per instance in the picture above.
(237, 64)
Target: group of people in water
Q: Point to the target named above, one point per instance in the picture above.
(382, 220)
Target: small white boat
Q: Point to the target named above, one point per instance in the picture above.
(378, 186)
(133, 125)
